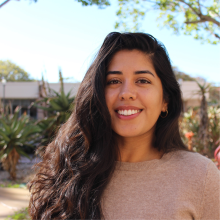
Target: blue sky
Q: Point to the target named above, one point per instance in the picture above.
(41, 37)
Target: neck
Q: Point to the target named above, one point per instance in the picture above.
(137, 149)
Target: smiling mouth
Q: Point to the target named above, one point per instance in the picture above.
(128, 112)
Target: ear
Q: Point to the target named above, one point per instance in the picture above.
(164, 106)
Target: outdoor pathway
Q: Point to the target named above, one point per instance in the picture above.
(11, 200)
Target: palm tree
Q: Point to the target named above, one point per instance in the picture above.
(204, 122)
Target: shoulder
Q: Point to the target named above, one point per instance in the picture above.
(193, 163)
(194, 170)
(196, 179)
(202, 178)
(190, 158)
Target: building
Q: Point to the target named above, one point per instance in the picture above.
(190, 94)
(23, 94)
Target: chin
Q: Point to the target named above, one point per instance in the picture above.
(128, 134)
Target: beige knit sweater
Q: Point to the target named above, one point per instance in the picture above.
(181, 185)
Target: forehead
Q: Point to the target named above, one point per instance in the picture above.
(131, 59)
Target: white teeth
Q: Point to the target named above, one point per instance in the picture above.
(128, 112)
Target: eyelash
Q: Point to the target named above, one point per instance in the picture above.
(110, 82)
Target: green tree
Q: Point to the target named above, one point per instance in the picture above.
(100, 3)
(182, 75)
(12, 72)
(198, 18)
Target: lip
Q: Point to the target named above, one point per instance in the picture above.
(127, 107)
(127, 117)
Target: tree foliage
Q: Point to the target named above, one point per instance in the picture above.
(100, 3)
(181, 75)
(6, 1)
(12, 72)
(200, 18)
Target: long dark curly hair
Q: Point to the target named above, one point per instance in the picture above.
(79, 162)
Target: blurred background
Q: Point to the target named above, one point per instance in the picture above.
(46, 47)
(42, 36)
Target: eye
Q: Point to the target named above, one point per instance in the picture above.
(114, 81)
(143, 81)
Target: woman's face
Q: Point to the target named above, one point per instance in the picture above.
(133, 93)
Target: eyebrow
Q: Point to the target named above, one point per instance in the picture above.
(136, 72)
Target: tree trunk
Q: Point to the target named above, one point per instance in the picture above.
(203, 128)
(9, 163)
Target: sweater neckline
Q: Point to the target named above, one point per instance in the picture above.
(138, 166)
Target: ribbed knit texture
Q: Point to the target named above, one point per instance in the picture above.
(181, 185)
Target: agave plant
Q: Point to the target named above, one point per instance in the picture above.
(15, 133)
(58, 107)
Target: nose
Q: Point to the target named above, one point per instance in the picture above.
(127, 92)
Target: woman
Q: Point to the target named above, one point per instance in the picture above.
(120, 155)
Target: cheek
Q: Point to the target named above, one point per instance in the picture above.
(152, 99)
(110, 97)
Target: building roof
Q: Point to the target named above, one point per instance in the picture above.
(20, 90)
